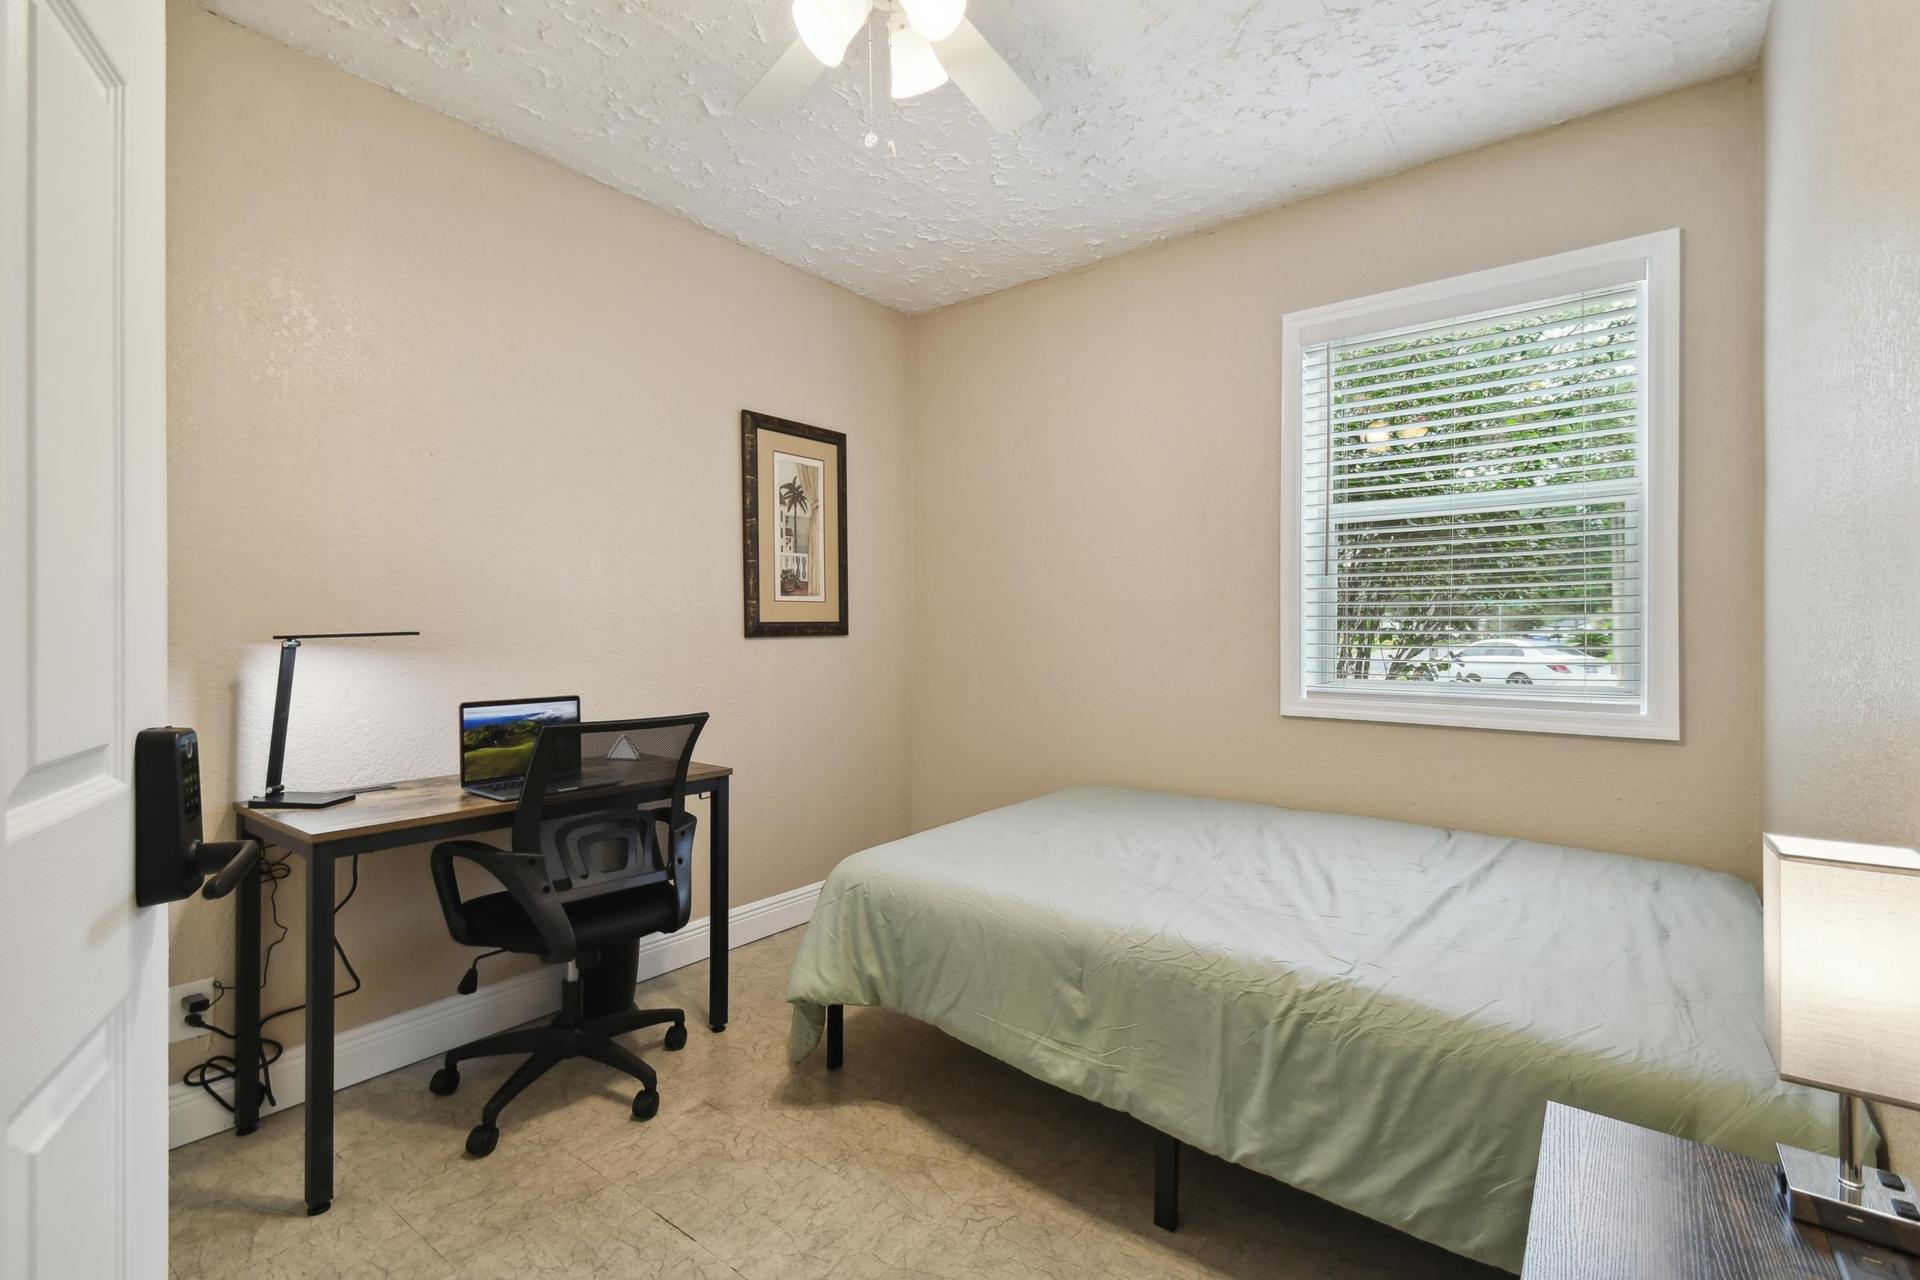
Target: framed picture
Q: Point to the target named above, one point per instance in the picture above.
(794, 531)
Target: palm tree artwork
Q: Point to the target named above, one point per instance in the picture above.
(793, 500)
(794, 503)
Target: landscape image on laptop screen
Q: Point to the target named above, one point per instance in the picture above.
(496, 739)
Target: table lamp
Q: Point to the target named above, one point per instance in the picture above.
(1843, 1013)
(277, 796)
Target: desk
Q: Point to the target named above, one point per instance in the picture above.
(1612, 1199)
(410, 813)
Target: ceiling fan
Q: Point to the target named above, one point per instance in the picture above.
(928, 42)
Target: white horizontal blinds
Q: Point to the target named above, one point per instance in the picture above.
(1472, 503)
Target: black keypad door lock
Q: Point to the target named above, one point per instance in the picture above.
(170, 859)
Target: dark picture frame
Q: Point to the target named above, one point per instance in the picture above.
(801, 588)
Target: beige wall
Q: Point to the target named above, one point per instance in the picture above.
(1843, 427)
(1098, 469)
(422, 378)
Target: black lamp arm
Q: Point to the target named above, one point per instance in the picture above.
(282, 703)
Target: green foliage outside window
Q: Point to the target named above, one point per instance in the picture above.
(1441, 416)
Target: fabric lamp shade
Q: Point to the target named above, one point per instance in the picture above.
(1842, 953)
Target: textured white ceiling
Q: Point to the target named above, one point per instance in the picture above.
(1163, 116)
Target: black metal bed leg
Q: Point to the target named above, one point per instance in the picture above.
(1166, 1182)
(836, 1037)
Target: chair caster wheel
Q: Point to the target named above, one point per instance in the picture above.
(481, 1141)
(676, 1038)
(444, 1081)
(646, 1104)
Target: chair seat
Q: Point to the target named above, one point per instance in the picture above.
(611, 919)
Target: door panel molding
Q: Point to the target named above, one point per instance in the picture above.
(55, 1196)
(75, 225)
(31, 817)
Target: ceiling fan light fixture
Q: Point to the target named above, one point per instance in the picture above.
(934, 20)
(913, 69)
(828, 26)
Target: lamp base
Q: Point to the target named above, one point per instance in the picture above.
(1811, 1184)
(312, 799)
(301, 800)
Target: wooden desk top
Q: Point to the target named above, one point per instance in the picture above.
(426, 808)
(1614, 1199)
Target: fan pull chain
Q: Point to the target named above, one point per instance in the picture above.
(872, 138)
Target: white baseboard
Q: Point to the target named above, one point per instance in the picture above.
(404, 1038)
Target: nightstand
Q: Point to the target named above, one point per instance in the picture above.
(1611, 1199)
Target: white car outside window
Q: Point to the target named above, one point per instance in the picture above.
(1551, 667)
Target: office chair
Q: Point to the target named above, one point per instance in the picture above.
(583, 894)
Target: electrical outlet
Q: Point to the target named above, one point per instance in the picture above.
(177, 998)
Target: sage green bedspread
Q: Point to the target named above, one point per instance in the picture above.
(1371, 1011)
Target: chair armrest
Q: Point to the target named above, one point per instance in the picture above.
(521, 874)
(677, 851)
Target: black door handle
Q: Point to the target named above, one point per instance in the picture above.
(228, 862)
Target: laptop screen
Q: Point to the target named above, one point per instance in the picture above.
(496, 738)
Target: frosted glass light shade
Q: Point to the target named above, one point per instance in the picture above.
(914, 69)
(934, 20)
(1842, 953)
(828, 26)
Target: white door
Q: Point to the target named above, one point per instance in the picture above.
(83, 571)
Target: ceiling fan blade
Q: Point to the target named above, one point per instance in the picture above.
(790, 77)
(984, 76)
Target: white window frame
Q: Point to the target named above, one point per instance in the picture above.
(1654, 259)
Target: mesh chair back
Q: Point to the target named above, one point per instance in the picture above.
(598, 849)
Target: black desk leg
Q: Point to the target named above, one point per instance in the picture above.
(718, 853)
(246, 1005)
(319, 1032)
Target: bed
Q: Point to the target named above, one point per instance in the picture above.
(1375, 1012)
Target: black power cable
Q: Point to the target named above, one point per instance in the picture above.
(220, 1068)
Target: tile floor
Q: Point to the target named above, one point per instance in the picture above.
(922, 1158)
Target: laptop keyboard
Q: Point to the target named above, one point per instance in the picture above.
(511, 790)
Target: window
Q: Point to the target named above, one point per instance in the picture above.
(1480, 485)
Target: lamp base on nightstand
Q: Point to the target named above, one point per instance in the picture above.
(1815, 1195)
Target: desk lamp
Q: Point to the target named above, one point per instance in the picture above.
(277, 796)
(1843, 1013)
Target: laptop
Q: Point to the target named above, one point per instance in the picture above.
(496, 745)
